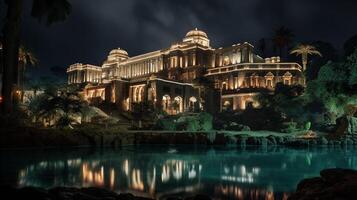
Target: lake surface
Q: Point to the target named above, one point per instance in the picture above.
(162, 171)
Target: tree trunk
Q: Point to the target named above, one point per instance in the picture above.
(304, 61)
(11, 32)
(21, 79)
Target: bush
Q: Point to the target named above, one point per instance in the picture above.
(165, 124)
(289, 127)
(200, 122)
(188, 124)
(205, 121)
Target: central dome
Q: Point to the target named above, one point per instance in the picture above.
(119, 51)
(198, 37)
(196, 33)
(117, 54)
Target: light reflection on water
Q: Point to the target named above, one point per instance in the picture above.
(153, 172)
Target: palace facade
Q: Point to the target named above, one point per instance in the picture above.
(189, 75)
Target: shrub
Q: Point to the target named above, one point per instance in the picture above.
(205, 121)
(165, 124)
(289, 127)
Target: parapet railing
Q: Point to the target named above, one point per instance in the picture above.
(253, 66)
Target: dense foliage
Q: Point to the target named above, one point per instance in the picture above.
(57, 107)
(185, 122)
(335, 86)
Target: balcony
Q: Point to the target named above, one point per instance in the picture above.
(253, 66)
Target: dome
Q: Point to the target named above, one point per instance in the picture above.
(118, 51)
(117, 54)
(195, 33)
(198, 37)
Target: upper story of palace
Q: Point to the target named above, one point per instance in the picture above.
(191, 57)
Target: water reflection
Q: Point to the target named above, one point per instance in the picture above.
(224, 174)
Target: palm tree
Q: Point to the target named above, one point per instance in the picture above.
(52, 10)
(282, 38)
(304, 50)
(58, 109)
(26, 58)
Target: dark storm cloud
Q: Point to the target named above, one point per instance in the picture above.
(95, 27)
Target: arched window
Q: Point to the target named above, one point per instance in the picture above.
(165, 102)
(287, 78)
(192, 102)
(269, 80)
(226, 105)
(224, 86)
(177, 104)
(136, 94)
(226, 60)
(141, 94)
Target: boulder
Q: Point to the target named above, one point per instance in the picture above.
(254, 141)
(323, 141)
(280, 140)
(233, 126)
(332, 184)
(271, 140)
(242, 141)
(346, 125)
(199, 197)
(65, 193)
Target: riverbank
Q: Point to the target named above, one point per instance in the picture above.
(40, 137)
(71, 193)
(332, 184)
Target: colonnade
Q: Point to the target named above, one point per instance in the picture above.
(254, 81)
(144, 67)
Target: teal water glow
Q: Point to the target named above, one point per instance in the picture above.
(161, 171)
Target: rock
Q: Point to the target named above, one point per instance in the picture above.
(349, 141)
(271, 140)
(330, 142)
(264, 142)
(280, 140)
(323, 141)
(199, 197)
(98, 192)
(332, 184)
(312, 142)
(242, 141)
(237, 127)
(352, 126)
(346, 125)
(174, 198)
(65, 193)
(34, 192)
(297, 143)
(253, 141)
(337, 143)
(126, 196)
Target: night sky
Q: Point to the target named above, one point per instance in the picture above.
(138, 26)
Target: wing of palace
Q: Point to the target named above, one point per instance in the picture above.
(189, 75)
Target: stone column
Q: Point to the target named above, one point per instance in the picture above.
(186, 60)
(193, 59)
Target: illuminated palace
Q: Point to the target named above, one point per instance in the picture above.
(189, 75)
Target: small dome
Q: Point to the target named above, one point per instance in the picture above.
(196, 32)
(118, 51)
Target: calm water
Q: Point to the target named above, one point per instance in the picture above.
(161, 171)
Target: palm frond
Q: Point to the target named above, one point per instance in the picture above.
(305, 49)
